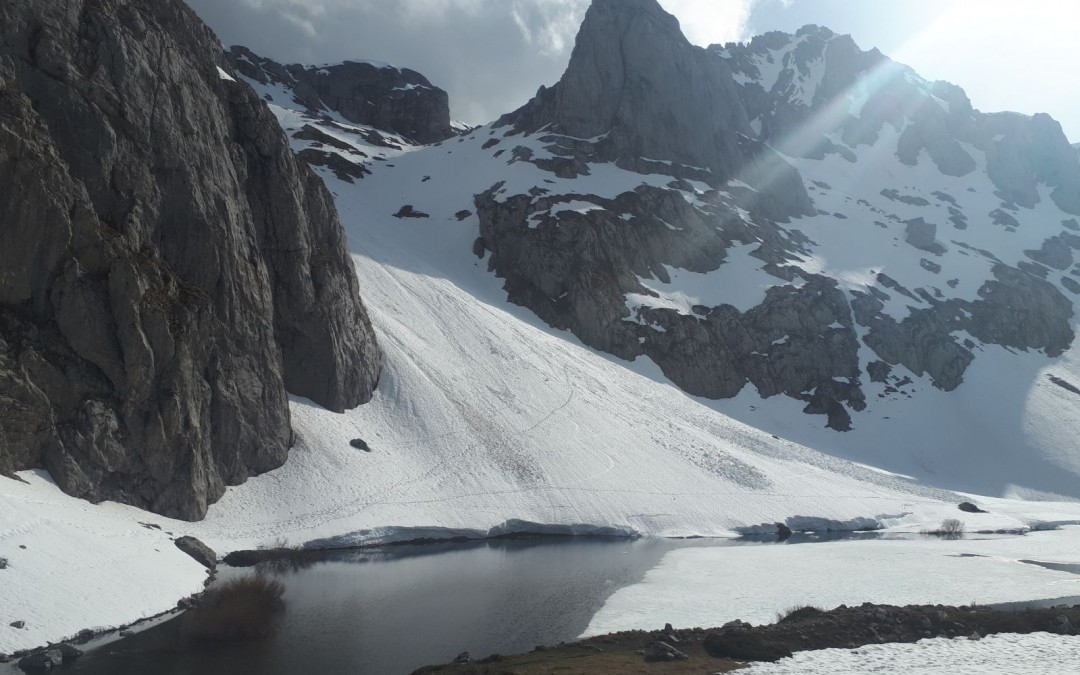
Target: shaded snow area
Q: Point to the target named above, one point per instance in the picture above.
(711, 586)
(1009, 430)
(72, 565)
(1035, 654)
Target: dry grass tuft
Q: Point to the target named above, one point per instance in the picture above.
(798, 612)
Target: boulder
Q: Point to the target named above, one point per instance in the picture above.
(42, 662)
(407, 211)
(202, 553)
(69, 654)
(360, 444)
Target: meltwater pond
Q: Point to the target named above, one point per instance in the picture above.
(389, 611)
(392, 610)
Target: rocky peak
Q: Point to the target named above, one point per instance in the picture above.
(969, 213)
(641, 91)
(363, 92)
(169, 272)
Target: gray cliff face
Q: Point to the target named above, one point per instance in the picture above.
(638, 95)
(392, 99)
(169, 270)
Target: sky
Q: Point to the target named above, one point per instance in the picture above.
(492, 55)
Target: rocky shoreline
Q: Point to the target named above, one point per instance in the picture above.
(733, 645)
(65, 652)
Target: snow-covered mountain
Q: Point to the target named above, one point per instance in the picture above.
(902, 245)
(376, 94)
(609, 310)
(848, 240)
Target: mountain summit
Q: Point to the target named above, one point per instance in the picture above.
(640, 91)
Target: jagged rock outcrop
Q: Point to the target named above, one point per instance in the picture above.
(638, 95)
(363, 92)
(575, 271)
(168, 269)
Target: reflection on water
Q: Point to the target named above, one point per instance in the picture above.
(393, 610)
(388, 611)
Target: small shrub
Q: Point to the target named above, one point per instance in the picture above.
(276, 545)
(950, 528)
(799, 612)
(244, 608)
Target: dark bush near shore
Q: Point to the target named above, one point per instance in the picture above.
(950, 528)
(245, 608)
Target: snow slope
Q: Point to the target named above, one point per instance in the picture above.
(72, 565)
(1035, 654)
(486, 415)
(1006, 431)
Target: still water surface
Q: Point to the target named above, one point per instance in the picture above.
(390, 611)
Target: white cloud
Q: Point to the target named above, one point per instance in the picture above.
(708, 22)
(549, 25)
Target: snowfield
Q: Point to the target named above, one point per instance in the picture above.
(487, 421)
(712, 586)
(72, 565)
(1034, 654)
